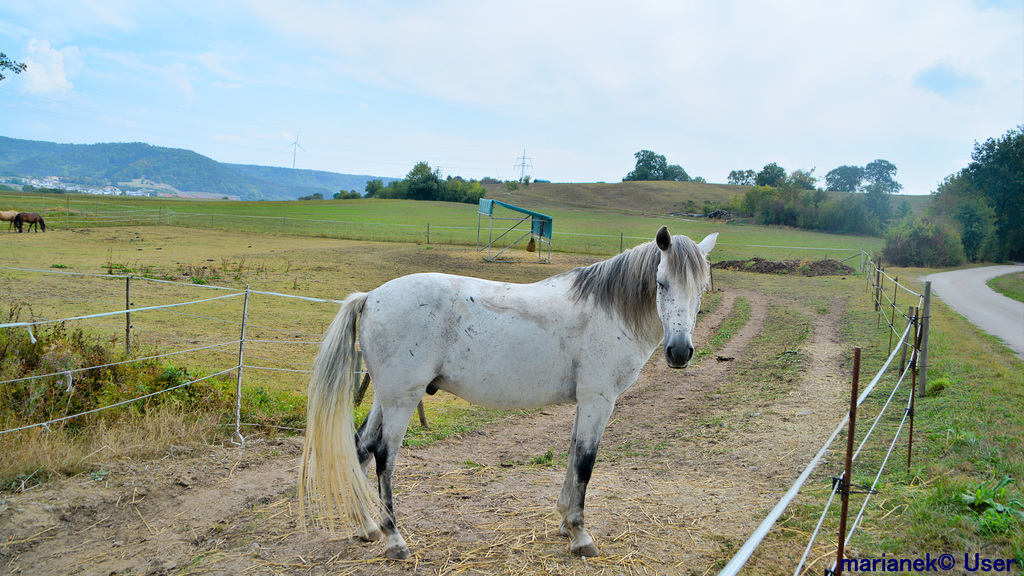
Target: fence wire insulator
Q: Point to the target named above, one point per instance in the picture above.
(846, 488)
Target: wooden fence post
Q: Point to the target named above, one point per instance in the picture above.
(911, 319)
(892, 313)
(127, 315)
(238, 438)
(925, 329)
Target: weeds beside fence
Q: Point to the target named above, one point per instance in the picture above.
(65, 371)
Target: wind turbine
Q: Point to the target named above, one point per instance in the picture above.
(295, 146)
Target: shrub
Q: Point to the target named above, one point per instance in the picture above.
(920, 242)
(46, 379)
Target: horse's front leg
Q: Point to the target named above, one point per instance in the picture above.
(591, 418)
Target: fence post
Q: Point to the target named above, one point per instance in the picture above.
(926, 321)
(621, 236)
(892, 313)
(127, 315)
(880, 278)
(913, 382)
(428, 232)
(847, 476)
(910, 320)
(241, 364)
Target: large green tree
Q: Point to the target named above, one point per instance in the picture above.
(743, 177)
(374, 188)
(424, 183)
(8, 64)
(653, 166)
(771, 175)
(881, 174)
(987, 198)
(844, 178)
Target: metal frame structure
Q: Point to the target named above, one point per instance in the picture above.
(540, 230)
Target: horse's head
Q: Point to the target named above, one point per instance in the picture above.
(683, 275)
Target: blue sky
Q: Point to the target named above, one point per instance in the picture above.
(374, 87)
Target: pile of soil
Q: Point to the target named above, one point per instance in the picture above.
(805, 267)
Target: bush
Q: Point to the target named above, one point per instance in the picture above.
(62, 354)
(920, 242)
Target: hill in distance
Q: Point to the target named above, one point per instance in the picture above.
(127, 164)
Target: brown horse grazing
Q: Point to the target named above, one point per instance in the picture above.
(30, 218)
(8, 216)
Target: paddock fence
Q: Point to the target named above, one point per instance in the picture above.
(889, 397)
(258, 340)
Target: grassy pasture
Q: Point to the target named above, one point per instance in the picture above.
(576, 230)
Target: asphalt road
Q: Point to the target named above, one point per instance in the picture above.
(966, 292)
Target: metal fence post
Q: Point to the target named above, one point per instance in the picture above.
(913, 381)
(847, 476)
(238, 438)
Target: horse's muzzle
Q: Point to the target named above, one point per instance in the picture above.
(678, 352)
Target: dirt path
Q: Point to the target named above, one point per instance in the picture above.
(687, 469)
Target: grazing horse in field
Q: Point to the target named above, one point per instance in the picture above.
(579, 337)
(30, 218)
(8, 216)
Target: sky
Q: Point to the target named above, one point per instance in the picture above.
(571, 89)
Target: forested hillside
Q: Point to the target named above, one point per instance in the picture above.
(118, 164)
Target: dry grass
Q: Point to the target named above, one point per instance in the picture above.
(30, 457)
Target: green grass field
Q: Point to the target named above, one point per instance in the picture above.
(600, 231)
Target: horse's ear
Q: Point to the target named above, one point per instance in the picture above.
(663, 238)
(708, 243)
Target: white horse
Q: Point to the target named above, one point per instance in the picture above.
(579, 337)
(8, 216)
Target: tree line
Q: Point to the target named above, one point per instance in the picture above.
(421, 183)
(975, 214)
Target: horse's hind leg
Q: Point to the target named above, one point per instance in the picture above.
(395, 422)
(591, 418)
(368, 438)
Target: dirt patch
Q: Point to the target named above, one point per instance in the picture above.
(827, 267)
(687, 468)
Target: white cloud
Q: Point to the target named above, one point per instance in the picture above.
(179, 76)
(49, 71)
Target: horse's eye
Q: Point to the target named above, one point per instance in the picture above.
(662, 284)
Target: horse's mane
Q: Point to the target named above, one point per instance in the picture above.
(627, 283)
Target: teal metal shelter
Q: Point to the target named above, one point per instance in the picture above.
(538, 229)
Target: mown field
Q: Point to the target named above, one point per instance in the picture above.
(967, 430)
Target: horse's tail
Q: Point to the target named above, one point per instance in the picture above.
(330, 472)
